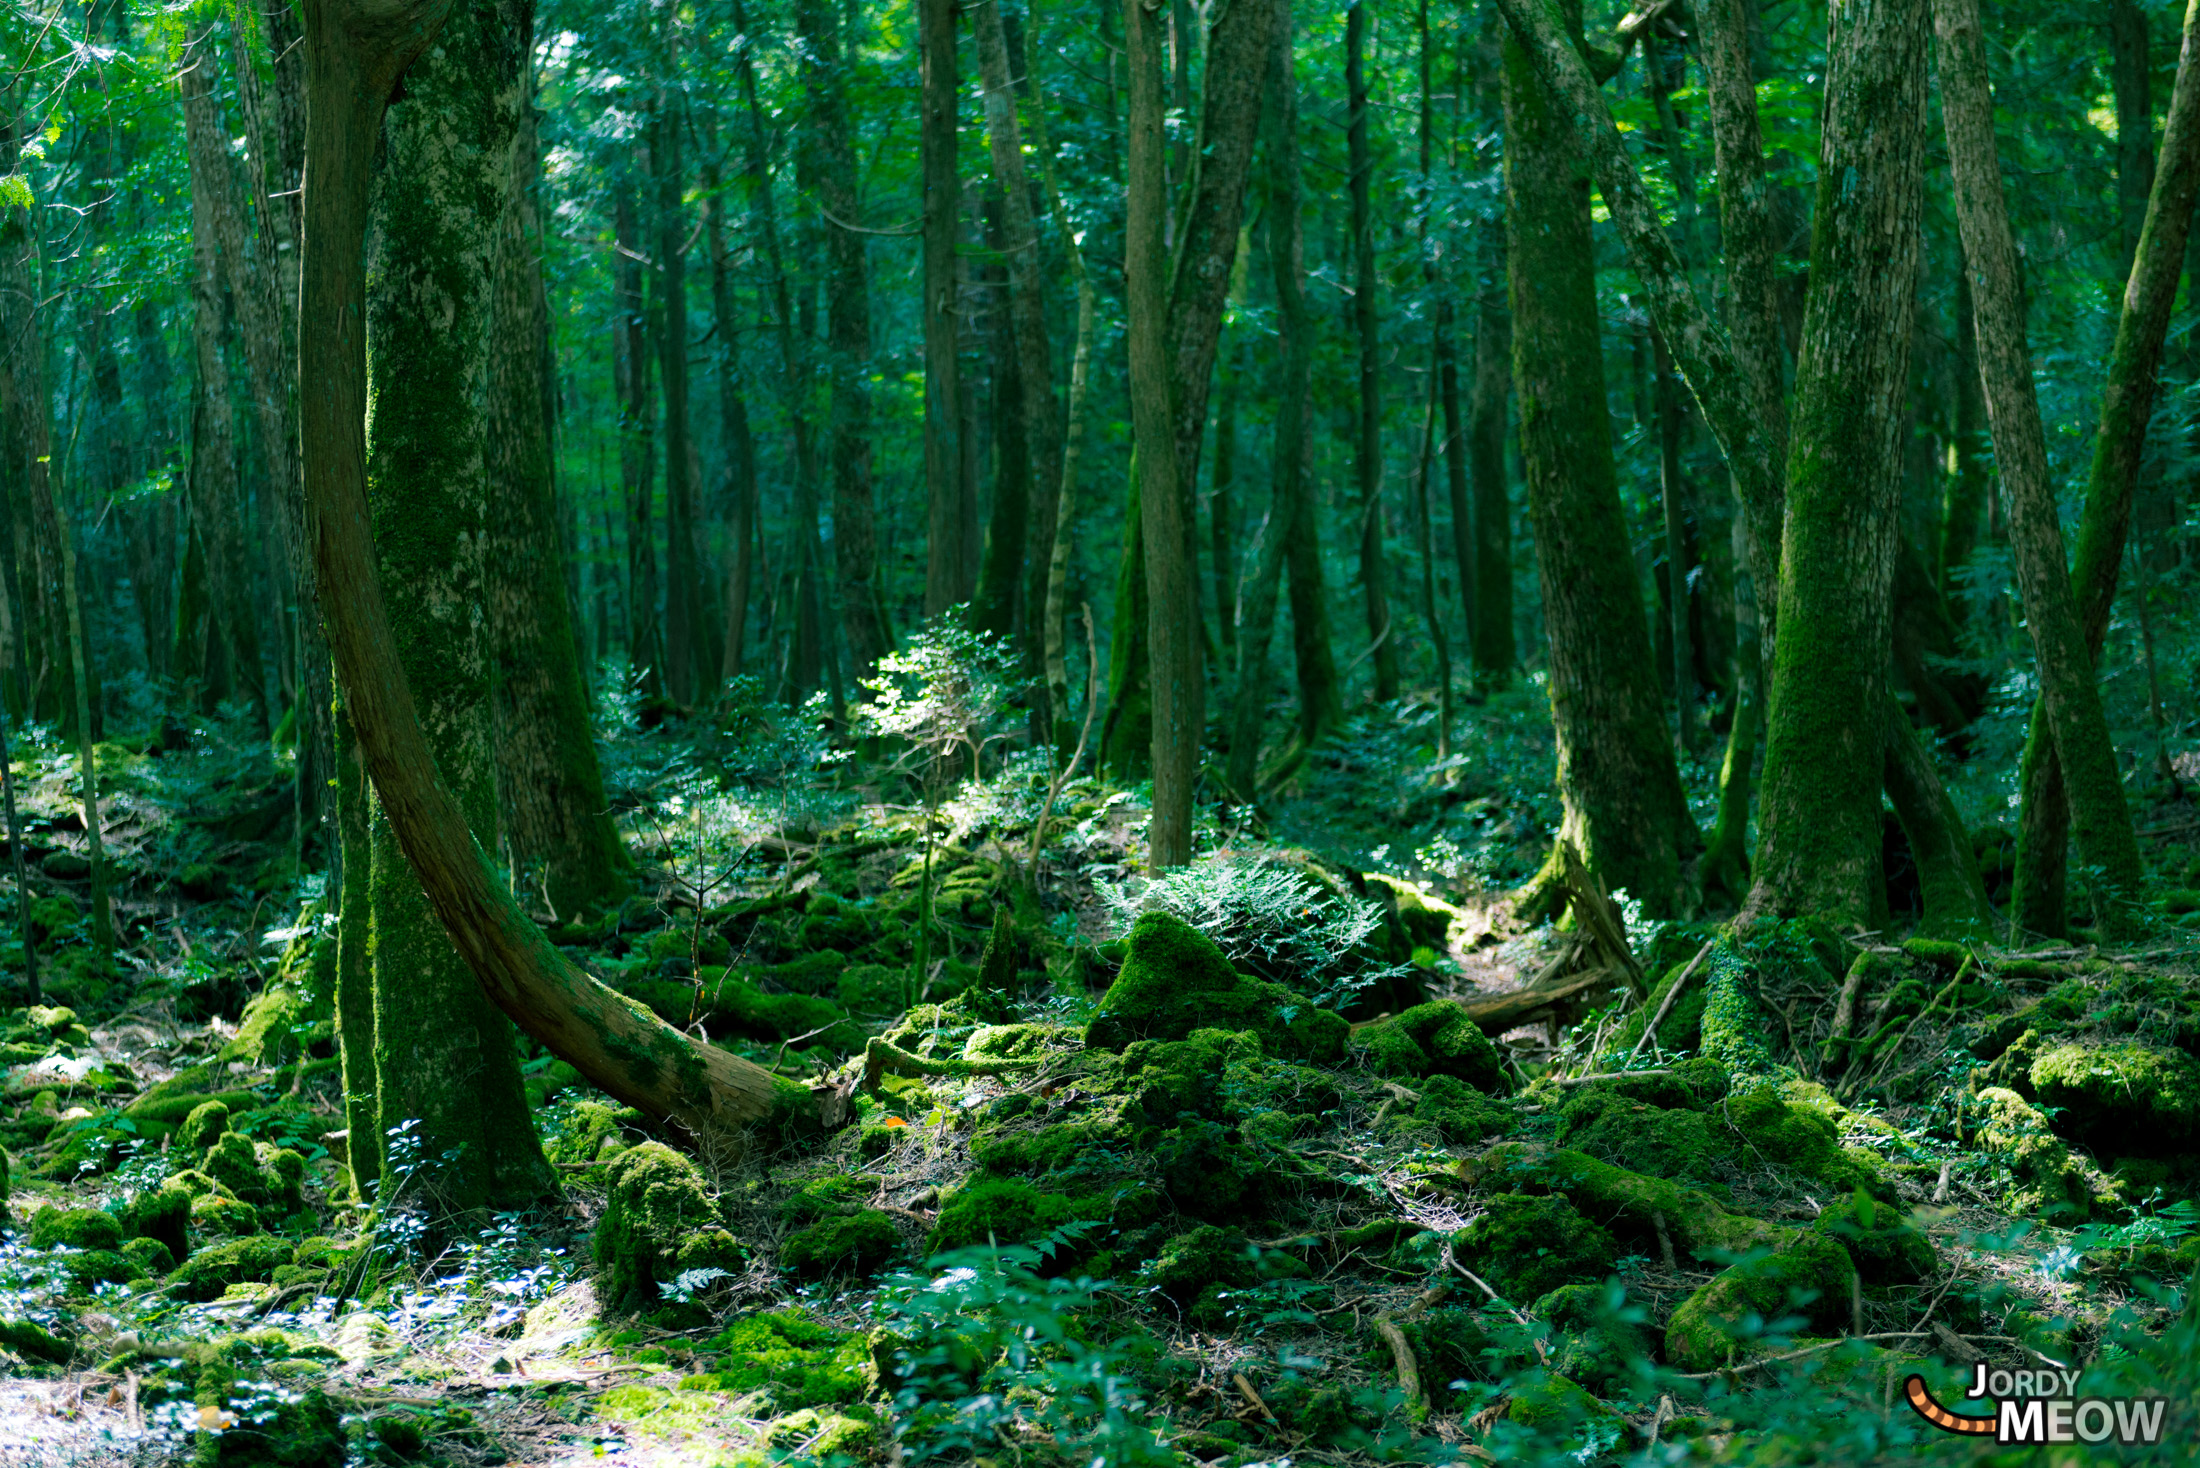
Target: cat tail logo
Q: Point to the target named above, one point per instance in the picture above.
(2058, 1418)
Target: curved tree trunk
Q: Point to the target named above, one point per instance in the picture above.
(355, 50)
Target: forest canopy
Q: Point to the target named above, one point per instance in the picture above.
(1115, 734)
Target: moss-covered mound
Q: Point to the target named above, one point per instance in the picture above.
(1174, 980)
(659, 1223)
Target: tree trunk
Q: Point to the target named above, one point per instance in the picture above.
(1172, 601)
(355, 53)
(2127, 402)
(216, 509)
(562, 843)
(1367, 448)
(1963, 504)
(733, 413)
(1624, 811)
(2092, 783)
(944, 573)
(444, 1058)
(848, 325)
(1026, 308)
(997, 606)
(1673, 497)
(1287, 456)
(685, 643)
(1825, 748)
(1495, 651)
(2131, 85)
(1954, 898)
(637, 445)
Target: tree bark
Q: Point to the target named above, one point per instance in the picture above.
(2131, 86)
(1825, 748)
(1624, 811)
(1367, 446)
(944, 573)
(355, 51)
(1969, 481)
(1495, 651)
(1287, 456)
(686, 642)
(25, 414)
(848, 342)
(637, 444)
(997, 606)
(733, 414)
(445, 1059)
(561, 841)
(1172, 600)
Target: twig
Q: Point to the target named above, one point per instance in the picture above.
(1401, 1356)
(1063, 777)
(1665, 1005)
(1542, 1349)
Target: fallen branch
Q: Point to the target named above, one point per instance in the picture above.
(1401, 1356)
(881, 1058)
(1665, 1005)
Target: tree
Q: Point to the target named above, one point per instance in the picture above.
(1367, 446)
(944, 572)
(1624, 812)
(1818, 847)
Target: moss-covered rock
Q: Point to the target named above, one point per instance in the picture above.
(1884, 1245)
(587, 1131)
(1767, 1129)
(857, 1245)
(1174, 980)
(150, 1255)
(1601, 1342)
(1552, 1404)
(2045, 1180)
(999, 1210)
(1433, 1039)
(29, 1338)
(659, 1202)
(1809, 1278)
(75, 1228)
(1447, 1110)
(211, 1270)
(1527, 1246)
(1644, 1138)
(2123, 1096)
(204, 1126)
(1635, 1204)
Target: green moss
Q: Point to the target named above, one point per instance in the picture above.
(1886, 1247)
(587, 1131)
(1810, 1276)
(872, 988)
(150, 1255)
(1597, 1345)
(1454, 1113)
(2126, 1096)
(1733, 1026)
(1645, 1138)
(825, 1437)
(1682, 1027)
(76, 1228)
(1553, 1404)
(1193, 1268)
(802, 1363)
(29, 1338)
(1004, 1211)
(204, 1126)
(1769, 1130)
(1434, 1039)
(1174, 980)
(2045, 1180)
(658, 1201)
(218, 1213)
(1449, 1345)
(213, 1269)
(1528, 1246)
(735, 1004)
(1633, 1203)
(856, 1246)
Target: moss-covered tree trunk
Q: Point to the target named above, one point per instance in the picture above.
(2127, 402)
(1287, 456)
(26, 422)
(1825, 747)
(445, 1059)
(1624, 811)
(354, 961)
(1367, 440)
(557, 832)
(1969, 477)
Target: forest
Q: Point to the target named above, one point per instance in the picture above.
(1180, 732)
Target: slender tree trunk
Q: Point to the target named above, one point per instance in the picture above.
(355, 963)
(1222, 567)
(1954, 898)
(1287, 456)
(1673, 495)
(1963, 503)
(740, 446)
(1367, 461)
(1495, 651)
(1172, 601)
(444, 1058)
(684, 640)
(944, 573)
(562, 843)
(997, 605)
(637, 446)
(216, 502)
(2127, 402)
(1825, 751)
(25, 417)
(1026, 306)
(2131, 85)
(848, 317)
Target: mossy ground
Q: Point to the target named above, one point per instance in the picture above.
(1194, 1177)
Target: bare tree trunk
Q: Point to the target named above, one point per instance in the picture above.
(685, 642)
(1367, 448)
(733, 415)
(637, 446)
(944, 572)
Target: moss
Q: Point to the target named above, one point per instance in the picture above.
(2136, 1098)
(29, 1338)
(1643, 1138)
(175, 1106)
(658, 1200)
(1810, 1276)
(1803, 1141)
(588, 1131)
(1885, 1246)
(872, 988)
(149, 1255)
(204, 1126)
(2046, 1181)
(858, 1246)
(1449, 1345)
(218, 1213)
(88, 1268)
(1633, 1203)
(1004, 1211)
(1174, 980)
(213, 1269)
(1733, 1026)
(76, 1228)
(1681, 1029)
(1552, 1403)
(88, 1148)
(1192, 1268)
(1528, 1246)
(826, 1437)
(1454, 1113)
(735, 1004)
(801, 1363)
(1434, 1039)
(263, 1425)
(1598, 1345)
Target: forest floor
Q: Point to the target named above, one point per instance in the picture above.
(1250, 1165)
